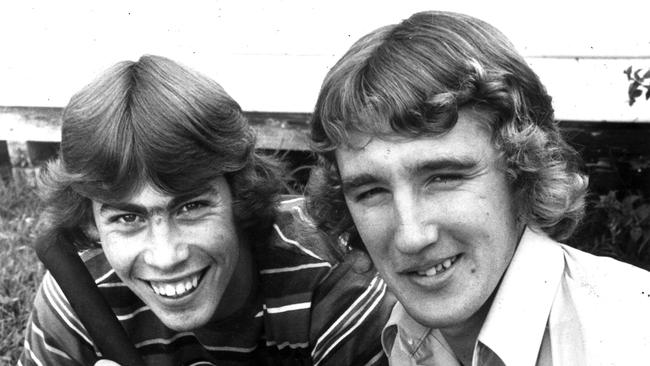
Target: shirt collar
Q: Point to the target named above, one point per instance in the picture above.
(515, 324)
(414, 342)
(401, 324)
(517, 319)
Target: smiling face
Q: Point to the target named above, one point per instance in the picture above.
(180, 255)
(436, 215)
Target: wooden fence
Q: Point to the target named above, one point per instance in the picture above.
(31, 135)
(616, 155)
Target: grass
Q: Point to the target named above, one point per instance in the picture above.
(20, 270)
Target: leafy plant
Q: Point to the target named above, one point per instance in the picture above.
(617, 227)
(638, 82)
(20, 270)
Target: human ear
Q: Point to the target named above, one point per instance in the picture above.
(361, 261)
(90, 230)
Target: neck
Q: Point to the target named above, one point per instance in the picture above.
(462, 337)
(242, 290)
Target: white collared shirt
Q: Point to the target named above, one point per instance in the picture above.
(555, 306)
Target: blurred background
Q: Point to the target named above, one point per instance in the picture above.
(272, 55)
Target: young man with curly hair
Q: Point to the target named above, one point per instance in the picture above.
(440, 156)
(181, 225)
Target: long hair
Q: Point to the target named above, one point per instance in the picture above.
(155, 121)
(411, 79)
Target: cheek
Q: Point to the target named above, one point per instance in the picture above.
(219, 239)
(120, 255)
(490, 210)
(367, 222)
(495, 235)
(374, 230)
(500, 222)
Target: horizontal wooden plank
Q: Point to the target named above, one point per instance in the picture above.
(276, 130)
(616, 155)
(30, 123)
(33, 130)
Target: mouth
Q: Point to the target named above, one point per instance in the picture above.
(437, 268)
(178, 288)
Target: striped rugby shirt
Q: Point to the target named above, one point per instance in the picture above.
(312, 309)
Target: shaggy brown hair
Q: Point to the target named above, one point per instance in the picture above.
(155, 121)
(411, 79)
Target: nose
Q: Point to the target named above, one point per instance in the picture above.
(416, 229)
(167, 248)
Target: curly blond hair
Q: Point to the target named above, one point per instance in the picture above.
(411, 79)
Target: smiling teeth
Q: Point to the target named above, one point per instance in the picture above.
(438, 268)
(176, 289)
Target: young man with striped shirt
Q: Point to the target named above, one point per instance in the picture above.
(179, 222)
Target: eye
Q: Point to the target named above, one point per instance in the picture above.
(195, 205)
(370, 196)
(127, 219)
(444, 180)
(193, 210)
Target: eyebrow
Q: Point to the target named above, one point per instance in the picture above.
(142, 210)
(356, 181)
(446, 163)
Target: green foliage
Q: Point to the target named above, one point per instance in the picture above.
(638, 82)
(20, 270)
(617, 226)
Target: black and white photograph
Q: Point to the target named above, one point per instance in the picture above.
(325, 183)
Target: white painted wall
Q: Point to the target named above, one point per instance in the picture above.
(272, 55)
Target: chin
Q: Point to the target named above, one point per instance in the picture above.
(431, 319)
(440, 322)
(181, 325)
(441, 315)
(182, 322)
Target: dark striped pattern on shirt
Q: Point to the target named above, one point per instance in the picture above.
(312, 308)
